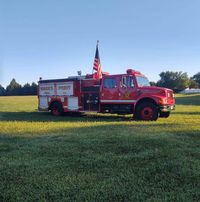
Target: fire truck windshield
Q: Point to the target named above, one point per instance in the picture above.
(142, 81)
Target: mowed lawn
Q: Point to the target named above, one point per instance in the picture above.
(98, 157)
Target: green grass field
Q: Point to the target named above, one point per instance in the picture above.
(98, 157)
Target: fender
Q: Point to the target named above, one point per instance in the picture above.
(53, 100)
(153, 99)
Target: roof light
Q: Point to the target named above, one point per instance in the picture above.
(131, 71)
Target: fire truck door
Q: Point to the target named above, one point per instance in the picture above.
(109, 90)
(127, 88)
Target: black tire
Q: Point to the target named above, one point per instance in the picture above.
(56, 109)
(164, 114)
(147, 111)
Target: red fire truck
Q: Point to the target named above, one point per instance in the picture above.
(128, 93)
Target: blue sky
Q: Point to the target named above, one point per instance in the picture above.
(55, 38)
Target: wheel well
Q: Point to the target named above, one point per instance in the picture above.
(145, 100)
(54, 102)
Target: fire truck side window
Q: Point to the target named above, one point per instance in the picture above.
(127, 82)
(109, 83)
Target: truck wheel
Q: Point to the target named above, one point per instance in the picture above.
(164, 114)
(56, 109)
(147, 111)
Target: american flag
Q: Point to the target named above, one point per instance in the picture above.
(97, 64)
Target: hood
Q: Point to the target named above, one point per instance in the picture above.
(155, 90)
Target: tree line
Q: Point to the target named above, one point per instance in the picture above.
(176, 81)
(15, 88)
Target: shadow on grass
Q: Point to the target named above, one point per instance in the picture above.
(188, 100)
(68, 117)
(187, 113)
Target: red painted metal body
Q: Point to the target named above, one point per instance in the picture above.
(120, 94)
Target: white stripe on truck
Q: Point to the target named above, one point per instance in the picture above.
(118, 101)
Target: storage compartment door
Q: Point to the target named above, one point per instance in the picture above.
(43, 102)
(46, 89)
(73, 103)
(94, 102)
(85, 101)
(65, 89)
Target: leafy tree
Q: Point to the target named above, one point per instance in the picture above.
(13, 88)
(193, 84)
(26, 89)
(2, 90)
(34, 88)
(196, 78)
(152, 83)
(174, 80)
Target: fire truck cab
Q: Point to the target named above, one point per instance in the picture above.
(128, 93)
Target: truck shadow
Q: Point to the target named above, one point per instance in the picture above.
(67, 117)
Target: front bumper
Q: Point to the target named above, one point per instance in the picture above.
(167, 108)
